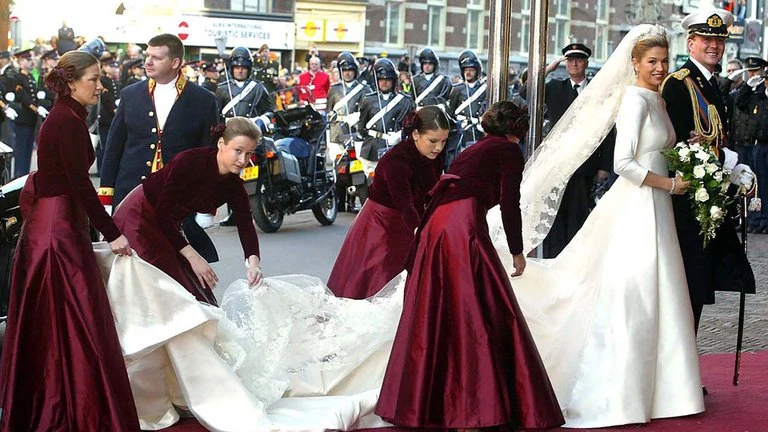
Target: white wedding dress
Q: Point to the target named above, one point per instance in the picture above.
(611, 314)
(286, 356)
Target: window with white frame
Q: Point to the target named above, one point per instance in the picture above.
(525, 6)
(435, 22)
(562, 8)
(601, 42)
(601, 9)
(394, 22)
(475, 20)
(562, 31)
(525, 31)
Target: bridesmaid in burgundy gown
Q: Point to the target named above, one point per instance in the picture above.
(463, 356)
(62, 368)
(378, 241)
(196, 181)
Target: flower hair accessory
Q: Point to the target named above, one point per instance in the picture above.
(217, 131)
(58, 79)
(410, 123)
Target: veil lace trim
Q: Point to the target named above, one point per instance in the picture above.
(571, 141)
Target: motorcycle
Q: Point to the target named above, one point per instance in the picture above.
(351, 181)
(287, 173)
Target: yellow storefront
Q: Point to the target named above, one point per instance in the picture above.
(331, 27)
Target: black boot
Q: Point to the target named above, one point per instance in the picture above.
(228, 221)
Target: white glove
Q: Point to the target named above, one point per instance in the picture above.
(731, 158)
(735, 74)
(41, 94)
(393, 138)
(10, 96)
(352, 119)
(742, 175)
(117, 102)
(108, 209)
(205, 220)
(10, 113)
(42, 112)
(755, 81)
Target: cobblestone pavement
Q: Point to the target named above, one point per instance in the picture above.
(719, 324)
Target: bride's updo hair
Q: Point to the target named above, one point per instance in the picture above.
(506, 118)
(653, 40)
(71, 68)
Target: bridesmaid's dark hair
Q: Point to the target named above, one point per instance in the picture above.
(71, 68)
(506, 118)
(426, 119)
(235, 127)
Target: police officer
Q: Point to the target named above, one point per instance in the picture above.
(381, 115)
(750, 136)
(242, 96)
(467, 102)
(343, 111)
(430, 86)
(266, 70)
(7, 112)
(110, 74)
(136, 72)
(28, 108)
(211, 74)
(344, 100)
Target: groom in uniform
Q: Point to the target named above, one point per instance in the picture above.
(688, 93)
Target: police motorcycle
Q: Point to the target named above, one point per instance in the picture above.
(287, 172)
(349, 173)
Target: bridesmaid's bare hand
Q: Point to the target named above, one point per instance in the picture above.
(519, 262)
(120, 246)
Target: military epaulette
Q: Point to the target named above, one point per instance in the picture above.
(678, 75)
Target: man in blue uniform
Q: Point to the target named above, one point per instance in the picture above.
(155, 120)
(29, 109)
(466, 104)
(430, 86)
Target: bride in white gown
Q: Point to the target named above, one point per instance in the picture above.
(611, 314)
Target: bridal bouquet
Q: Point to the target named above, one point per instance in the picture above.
(698, 164)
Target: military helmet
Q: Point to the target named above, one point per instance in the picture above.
(468, 59)
(240, 56)
(346, 61)
(385, 69)
(428, 56)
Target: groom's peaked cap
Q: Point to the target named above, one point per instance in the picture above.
(755, 63)
(713, 23)
(577, 50)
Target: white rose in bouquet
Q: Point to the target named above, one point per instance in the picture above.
(718, 176)
(716, 213)
(702, 195)
(710, 167)
(696, 147)
(699, 171)
(702, 155)
(685, 154)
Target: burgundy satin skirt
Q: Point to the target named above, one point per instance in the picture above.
(135, 217)
(373, 252)
(463, 356)
(62, 367)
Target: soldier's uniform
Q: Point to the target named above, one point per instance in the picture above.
(750, 135)
(689, 93)
(210, 83)
(107, 109)
(266, 72)
(382, 131)
(466, 104)
(26, 105)
(134, 78)
(431, 88)
(344, 100)
(250, 97)
(44, 96)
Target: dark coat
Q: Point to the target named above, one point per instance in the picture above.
(134, 134)
(391, 122)
(722, 266)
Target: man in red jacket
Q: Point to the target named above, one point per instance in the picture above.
(317, 82)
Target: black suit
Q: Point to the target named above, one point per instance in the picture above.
(722, 266)
(575, 205)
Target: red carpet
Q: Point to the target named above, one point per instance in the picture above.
(729, 409)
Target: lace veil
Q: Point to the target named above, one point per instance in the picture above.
(572, 140)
